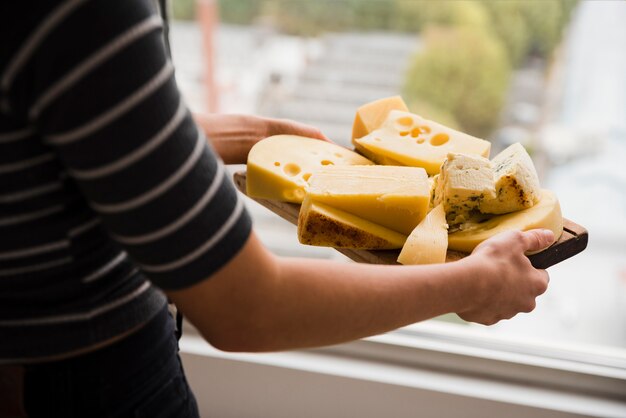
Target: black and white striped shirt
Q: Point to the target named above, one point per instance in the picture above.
(105, 180)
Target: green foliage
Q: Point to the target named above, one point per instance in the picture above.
(529, 27)
(242, 12)
(463, 72)
(308, 18)
(510, 26)
(545, 22)
(461, 77)
(184, 9)
(414, 15)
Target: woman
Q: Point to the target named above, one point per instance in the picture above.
(111, 201)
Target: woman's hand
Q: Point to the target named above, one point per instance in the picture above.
(232, 136)
(507, 283)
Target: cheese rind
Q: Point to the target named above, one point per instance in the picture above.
(464, 183)
(418, 142)
(516, 182)
(279, 166)
(396, 198)
(545, 214)
(372, 115)
(322, 225)
(428, 243)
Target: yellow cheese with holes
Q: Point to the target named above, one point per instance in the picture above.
(428, 243)
(325, 226)
(545, 214)
(464, 183)
(378, 159)
(279, 166)
(371, 116)
(418, 142)
(396, 198)
(516, 182)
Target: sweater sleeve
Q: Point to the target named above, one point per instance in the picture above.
(100, 90)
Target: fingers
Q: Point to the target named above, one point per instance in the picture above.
(537, 239)
(289, 127)
(543, 282)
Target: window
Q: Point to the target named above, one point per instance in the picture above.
(547, 74)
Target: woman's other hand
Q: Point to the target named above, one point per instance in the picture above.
(232, 136)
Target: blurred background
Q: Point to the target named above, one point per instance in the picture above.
(550, 74)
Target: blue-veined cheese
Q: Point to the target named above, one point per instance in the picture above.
(515, 181)
(464, 183)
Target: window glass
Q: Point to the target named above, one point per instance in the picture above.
(548, 74)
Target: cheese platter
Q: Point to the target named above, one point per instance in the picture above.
(573, 240)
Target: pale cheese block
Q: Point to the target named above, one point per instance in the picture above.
(545, 214)
(464, 183)
(428, 243)
(279, 166)
(396, 198)
(322, 225)
(418, 142)
(371, 116)
(516, 182)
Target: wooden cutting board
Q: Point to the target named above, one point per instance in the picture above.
(573, 241)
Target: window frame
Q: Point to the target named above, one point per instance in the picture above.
(466, 364)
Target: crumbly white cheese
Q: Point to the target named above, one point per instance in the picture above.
(516, 182)
(464, 183)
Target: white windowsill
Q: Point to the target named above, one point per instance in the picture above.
(439, 363)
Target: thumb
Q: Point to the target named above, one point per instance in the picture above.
(537, 239)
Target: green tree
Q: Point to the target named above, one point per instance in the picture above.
(511, 27)
(242, 12)
(461, 71)
(415, 15)
(184, 9)
(545, 20)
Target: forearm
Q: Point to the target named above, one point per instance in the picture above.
(318, 302)
(260, 302)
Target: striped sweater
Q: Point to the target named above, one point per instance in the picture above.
(108, 190)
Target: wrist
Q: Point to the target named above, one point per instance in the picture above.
(469, 277)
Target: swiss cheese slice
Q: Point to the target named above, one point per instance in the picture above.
(377, 158)
(515, 181)
(396, 198)
(418, 142)
(545, 214)
(428, 243)
(323, 225)
(371, 116)
(280, 166)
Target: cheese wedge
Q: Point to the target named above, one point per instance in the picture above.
(516, 182)
(372, 115)
(325, 226)
(465, 181)
(545, 214)
(378, 159)
(280, 166)
(418, 142)
(396, 198)
(428, 243)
